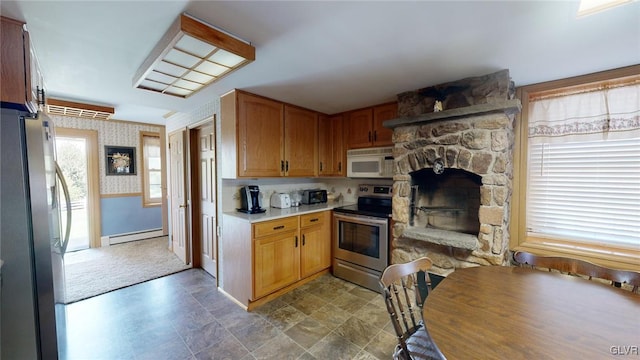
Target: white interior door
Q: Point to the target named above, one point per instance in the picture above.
(207, 184)
(179, 204)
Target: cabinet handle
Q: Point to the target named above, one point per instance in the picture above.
(278, 227)
(303, 240)
(286, 167)
(320, 165)
(314, 220)
(375, 135)
(296, 240)
(369, 135)
(40, 95)
(340, 166)
(282, 165)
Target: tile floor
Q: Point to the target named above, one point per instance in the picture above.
(183, 316)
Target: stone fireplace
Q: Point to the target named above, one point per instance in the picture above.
(453, 173)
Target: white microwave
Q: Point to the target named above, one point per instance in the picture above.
(370, 163)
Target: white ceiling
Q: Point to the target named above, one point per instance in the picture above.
(326, 56)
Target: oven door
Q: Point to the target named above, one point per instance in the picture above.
(361, 240)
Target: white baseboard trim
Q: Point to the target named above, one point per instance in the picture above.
(121, 238)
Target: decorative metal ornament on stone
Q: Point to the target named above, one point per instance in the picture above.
(438, 166)
(437, 106)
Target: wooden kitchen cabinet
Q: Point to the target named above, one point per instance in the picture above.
(364, 127)
(331, 153)
(383, 136)
(262, 137)
(315, 230)
(289, 249)
(263, 260)
(300, 142)
(276, 262)
(22, 80)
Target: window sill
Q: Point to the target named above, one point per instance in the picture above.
(609, 256)
(151, 205)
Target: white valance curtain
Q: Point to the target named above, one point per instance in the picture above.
(595, 115)
(583, 169)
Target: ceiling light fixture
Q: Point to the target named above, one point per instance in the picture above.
(588, 7)
(190, 56)
(76, 109)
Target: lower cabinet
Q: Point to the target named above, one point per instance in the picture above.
(289, 249)
(276, 262)
(315, 252)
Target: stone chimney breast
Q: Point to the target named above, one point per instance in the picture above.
(445, 217)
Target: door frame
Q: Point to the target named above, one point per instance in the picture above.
(93, 181)
(191, 182)
(193, 191)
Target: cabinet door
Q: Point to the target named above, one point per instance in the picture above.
(330, 146)
(301, 141)
(276, 263)
(260, 136)
(316, 244)
(15, 87)
(36, 95)
(359, 129)
(325, 152)
(339, 154)
(382, 136)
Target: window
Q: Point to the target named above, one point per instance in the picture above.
(577, 168)
(152, 169)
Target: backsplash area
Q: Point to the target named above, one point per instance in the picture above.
(344, 187)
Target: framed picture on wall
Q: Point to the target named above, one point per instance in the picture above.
(120, 160)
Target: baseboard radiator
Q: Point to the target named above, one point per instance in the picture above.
(132, 236)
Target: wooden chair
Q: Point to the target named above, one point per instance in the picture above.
(580, 267)
(405, 287)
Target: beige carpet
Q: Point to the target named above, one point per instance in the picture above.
(97, 271)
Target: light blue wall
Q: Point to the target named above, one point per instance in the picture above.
(121, 215)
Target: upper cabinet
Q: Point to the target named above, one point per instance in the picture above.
(331, 154)
(22, 83)
(364, 127)
(266, 138)
(300, 142)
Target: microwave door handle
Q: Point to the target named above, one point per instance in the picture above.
(381, 167)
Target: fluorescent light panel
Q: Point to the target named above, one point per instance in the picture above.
(588, 7)
(190, 56)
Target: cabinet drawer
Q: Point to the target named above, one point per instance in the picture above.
(312, 219)
(275, 226)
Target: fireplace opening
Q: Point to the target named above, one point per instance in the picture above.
(448, 201)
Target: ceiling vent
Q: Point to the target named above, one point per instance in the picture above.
(87, 111)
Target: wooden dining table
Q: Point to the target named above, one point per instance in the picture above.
(501, 312)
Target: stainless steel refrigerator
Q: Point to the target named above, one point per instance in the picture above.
(31, 239)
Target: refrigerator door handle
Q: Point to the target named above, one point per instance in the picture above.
(67, 198)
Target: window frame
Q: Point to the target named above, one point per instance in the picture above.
(610, 255)
(146, 200)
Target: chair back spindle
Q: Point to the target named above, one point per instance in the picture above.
(573, 266)
(403, 286)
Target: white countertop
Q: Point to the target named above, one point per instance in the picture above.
(275, 213)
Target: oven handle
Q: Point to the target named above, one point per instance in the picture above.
(361, 219)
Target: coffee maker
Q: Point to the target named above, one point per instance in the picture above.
(250, 200)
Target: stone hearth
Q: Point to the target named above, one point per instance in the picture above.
(477, 137)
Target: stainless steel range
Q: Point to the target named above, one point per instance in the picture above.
(361, 238)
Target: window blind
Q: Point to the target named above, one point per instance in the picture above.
(585, 191)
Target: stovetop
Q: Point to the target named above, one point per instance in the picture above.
(373, 200)
(368, 206)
